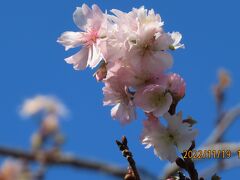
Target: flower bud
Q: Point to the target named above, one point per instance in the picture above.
(224, 79)
(176, 85)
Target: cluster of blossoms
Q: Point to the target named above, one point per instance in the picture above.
(48, 110)
(131, 52)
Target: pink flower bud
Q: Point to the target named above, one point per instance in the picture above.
(176, 85)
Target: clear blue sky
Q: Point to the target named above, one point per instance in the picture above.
(32, 63)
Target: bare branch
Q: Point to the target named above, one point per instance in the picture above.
(65, 160)
(226, 164)
(133, 172)
(223, 125)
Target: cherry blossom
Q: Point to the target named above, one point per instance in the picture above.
(167, 140)
(134, 53)
(115, 93)
(153, 99)
(93, 24)
(147, 41)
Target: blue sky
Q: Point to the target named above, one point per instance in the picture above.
(32, 63)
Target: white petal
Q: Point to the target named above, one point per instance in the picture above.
(81, 15)
(117, 12)
(122, 112)
(96, 10)
(164, 58)
(70, 39)
(166, 152)
(185, 140)
(95, 57)
(176, 36)
(79, 60)
(111, 97)
(164, 106)
(115, 111)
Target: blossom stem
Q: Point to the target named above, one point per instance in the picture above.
(172, 109)
(189, 165)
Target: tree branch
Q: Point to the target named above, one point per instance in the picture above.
(226, 164)
(133, 172)
(65, 160)
(223, 125)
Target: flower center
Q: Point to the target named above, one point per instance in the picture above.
(171, 139)
(91, 37)
(159, 99)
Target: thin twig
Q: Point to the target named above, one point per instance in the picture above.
(189, 165)
(133, 172)
(223, 125)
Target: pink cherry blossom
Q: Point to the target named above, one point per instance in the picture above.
(136, 76)
(145, 51)
(135, 50)
(118, 95)
(141, 77)
(153, 99)
(93, 24)
(145, 38)
(167, 140)
(137, 20)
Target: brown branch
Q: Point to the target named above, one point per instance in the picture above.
(133, 172)
(188, 165)
(65, 160)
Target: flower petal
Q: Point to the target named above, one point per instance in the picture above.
(70, 39)
(95, 57)
(79, 60)
(81, 15)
